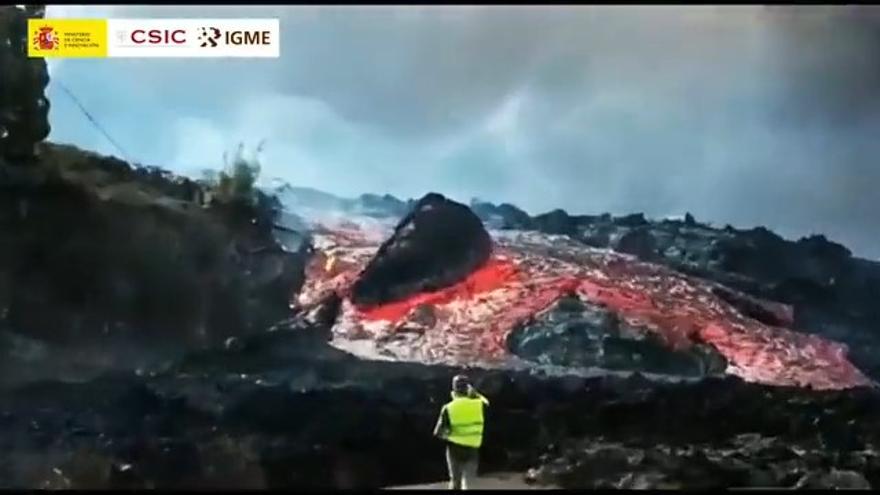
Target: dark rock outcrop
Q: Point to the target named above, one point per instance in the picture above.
(773, 314)
(555, 222)
(747, 460)
(24, 109)
(638, 242)
(436, 245)
(503, 216)
(577, 334)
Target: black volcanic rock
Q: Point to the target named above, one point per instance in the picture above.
(575, 333)
(556, 222)
(436, 245)
(746, 461)
(752, 307)
(504, 216)
(515, 218)
(634, 220)
(638, 242)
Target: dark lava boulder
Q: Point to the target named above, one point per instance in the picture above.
(556, 222)
(633, 220)
(638, 242)
(503, 216)
(436, 245)
(582, 335)
(514, 218)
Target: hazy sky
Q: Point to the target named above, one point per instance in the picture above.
(742, 115)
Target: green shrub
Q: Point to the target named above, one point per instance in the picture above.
(236, 183)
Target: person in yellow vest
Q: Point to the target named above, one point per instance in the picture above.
(331, 262)
(461, 425)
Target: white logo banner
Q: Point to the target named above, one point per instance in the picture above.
(167, 38)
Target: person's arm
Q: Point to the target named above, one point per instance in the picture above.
(441, 429)
(477, 395)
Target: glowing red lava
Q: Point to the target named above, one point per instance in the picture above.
(469, 321)
(492, 275)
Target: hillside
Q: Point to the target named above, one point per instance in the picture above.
(114, 262)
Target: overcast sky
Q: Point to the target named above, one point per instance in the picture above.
(742, 115)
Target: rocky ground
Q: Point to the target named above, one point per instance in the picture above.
(275, 411)
(745, 461)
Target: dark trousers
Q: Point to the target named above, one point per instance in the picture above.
(462, 462)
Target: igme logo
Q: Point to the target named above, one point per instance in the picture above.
(208, 36)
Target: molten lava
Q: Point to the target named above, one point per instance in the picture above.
(468, 323)
(493, 275)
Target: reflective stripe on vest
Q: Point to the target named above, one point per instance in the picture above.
(465, 421)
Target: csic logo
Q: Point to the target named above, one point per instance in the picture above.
(158, 36)
(46, 39)
(208, 37)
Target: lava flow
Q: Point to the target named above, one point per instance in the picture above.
(468, 322)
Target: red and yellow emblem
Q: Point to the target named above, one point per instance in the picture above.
(46, 39)
(67, 38)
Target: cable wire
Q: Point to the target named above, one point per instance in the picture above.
(93, 120)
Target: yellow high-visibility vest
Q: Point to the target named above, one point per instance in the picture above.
(466, 421)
